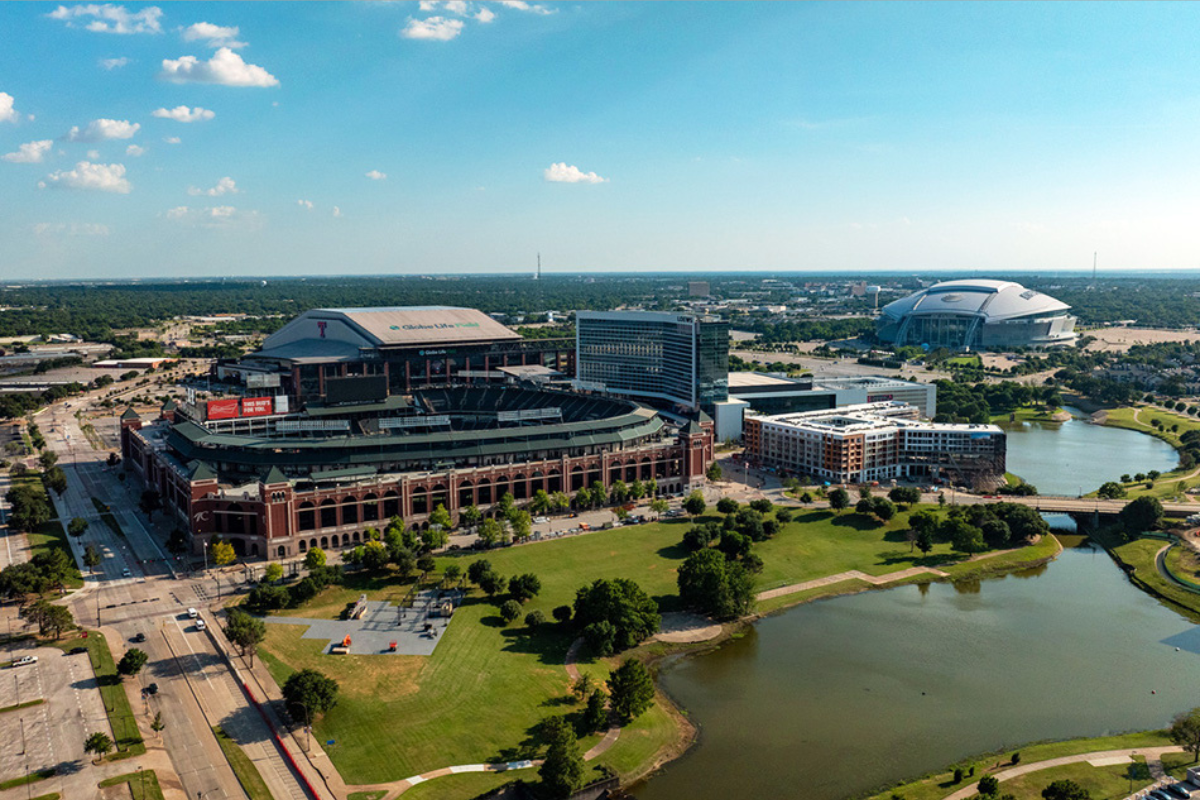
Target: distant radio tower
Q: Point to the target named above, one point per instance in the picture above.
(538, 276)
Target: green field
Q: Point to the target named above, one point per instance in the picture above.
(1037, 413)
(51, 536)
(941, 784)
(1139, 556)
(120, 715)
(477, 698)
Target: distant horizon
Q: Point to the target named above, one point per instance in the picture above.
(236, 138)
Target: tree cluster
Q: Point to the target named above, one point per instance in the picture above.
(615, 614)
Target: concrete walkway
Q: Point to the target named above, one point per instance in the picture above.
(1153, 756)
(829, 580)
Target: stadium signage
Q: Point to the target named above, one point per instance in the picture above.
(222, 409)
(875, 398)
(257, 406)
(232, 408)
(434, 326)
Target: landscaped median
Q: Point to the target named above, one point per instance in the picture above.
(487, 685)
(126, 735)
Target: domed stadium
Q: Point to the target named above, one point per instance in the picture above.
(977, 315)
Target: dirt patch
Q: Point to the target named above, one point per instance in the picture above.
(1118, 340)
(681, 628)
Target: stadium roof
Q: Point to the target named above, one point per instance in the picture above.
(393, 326)
(993, 300)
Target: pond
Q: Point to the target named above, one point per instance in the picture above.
(1075, 457)
(835, 698)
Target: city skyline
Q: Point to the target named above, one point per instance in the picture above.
(208, 140)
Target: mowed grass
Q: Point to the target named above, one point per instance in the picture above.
(478, 697)
(1140, 556)
(941, 784)
(51, 536)
(1101, 783)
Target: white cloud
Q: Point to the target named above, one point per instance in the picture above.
(109, 18)
(172, 139)
(31, 153)
(7, 112)
(99, 130)
(134, 150)
(113, 63)
(226, 217)
(213, 35)
(485, 15)
(225, 68)
(93, 154)
(70, 228)
(184, 114)
(305, 204)
(179, 212)
(224, 186)
(337, 212)
(376, 175)
(562, 173)
(533, 8)
(86, 175)
(434, 29)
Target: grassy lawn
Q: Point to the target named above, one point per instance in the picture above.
(379, 795)
(33, 777)
(1036, 413)
(51, 536)
(1146, 415)
(1138, 556)
(1184, 564)
(1102, 783)
(120, 715)
(941, 784)
(487, 685)
(247, 774)
(19, 706)
(1176, 764)
(143, 784)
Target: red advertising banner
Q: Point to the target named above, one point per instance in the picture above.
(222, 409)
(257, 406)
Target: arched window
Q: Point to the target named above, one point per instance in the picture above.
(391, 504)
(370, 507)
(349, 510)
(307, 516)
(328, 514)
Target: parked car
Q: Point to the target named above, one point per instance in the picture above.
(25, 661)
(1159, 794)
(139, 637)
(200, 625)
(193, 613)
(125, 573)
(541, 520)
(1178, 790)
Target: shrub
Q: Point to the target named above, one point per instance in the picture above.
(534, 619)
(510, 610)
(562, 614)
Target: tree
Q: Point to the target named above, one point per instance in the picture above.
(132, 662)
(151, 501)
(561, 501)
(964, 536)
(1185, 732)
(77, 526)
(435, 536)
(783, 516)
(158, 725)
(477, 569)
(562, 614)
(92, 557)
(178, 542)
(839, 499)
(1144, 513)
(490, 532)
(988, 786)
(762, 505)
(221, 553)
(441, 518)
(245, 631)
(698, 537)
(806, 498)
(47, 458)
(562, 770)
(524, 587)
(694, 504)
(315, 558)
(1065, 790)
(882, 508)
(506, 504)
(621, 513)
(619, 491)
(427, 563)
(714, 472)
(308, 694)
(715, 586)
(521, 524)
(621, 603)
(98, 743)
(595, 715)
(451, 574)
(925, 540)
(631, 690)
(273, 572)
(470, 516)
(375, 556)
(510, 610)
(659, 506)
(50, 618)
(1110, 490)
(905, 495)
(534, 619)
(492, 584)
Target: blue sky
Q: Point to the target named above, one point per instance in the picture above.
(214, 139)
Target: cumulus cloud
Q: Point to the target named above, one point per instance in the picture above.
(225, 68)
(433, 29)
(213, 35)
(86, 175)
(305, 204)
(99, 130)
(376, 175)
(93, 154)
(224, 186)
(533, 8)
(70, 229)
(227, 217)
(31, 153)
(562, 173)
(8, 113)
(172, 139)
(113, 63)
(134, 150)
(109, 18)
(337, 212)
(485, 15)
(183, 114)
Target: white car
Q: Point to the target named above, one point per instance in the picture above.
(200, 625)
(25, 661)
(193, 613)
(541, 520)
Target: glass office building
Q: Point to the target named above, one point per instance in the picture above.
(679, 360)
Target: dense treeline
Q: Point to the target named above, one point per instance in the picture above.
(1160, 303)
(961, 402)
(809, 329)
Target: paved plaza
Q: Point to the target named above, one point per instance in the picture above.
(416, 631)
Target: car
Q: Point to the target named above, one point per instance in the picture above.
(193, 613)
(125, 573)
(1178, 790)
(1159, 794)
(25, 661)
(77, 651)
(200, 625)
(139, 637)
(541, 520)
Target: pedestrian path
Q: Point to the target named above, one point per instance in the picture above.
(1153, 756)
(851, 575)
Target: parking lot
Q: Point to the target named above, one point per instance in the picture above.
(50, 734)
